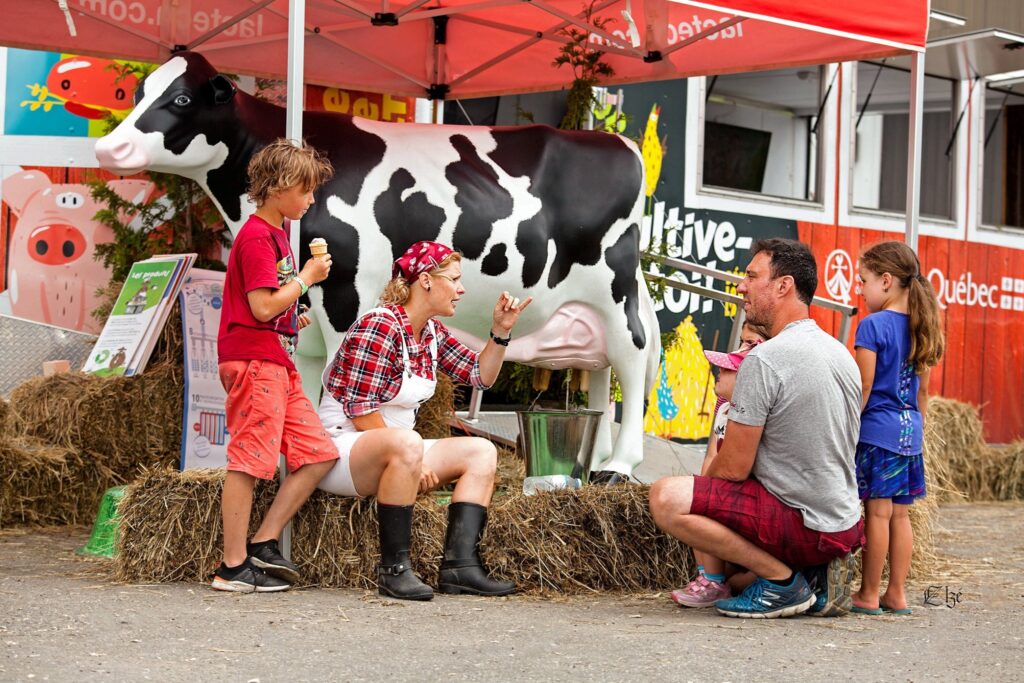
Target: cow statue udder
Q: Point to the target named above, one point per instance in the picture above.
(534, 210)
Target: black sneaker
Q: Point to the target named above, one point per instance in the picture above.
(245, 578)
(267, 557)
(831, 584)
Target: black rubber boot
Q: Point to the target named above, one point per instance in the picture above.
(395, 577)
(462, 570)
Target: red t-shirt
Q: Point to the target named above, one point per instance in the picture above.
(260, 257)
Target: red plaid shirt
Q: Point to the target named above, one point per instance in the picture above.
(367, 370)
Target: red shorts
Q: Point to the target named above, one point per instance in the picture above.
(268, 415)
(750, 510)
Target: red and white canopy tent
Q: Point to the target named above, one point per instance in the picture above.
(474, 48)
(451, 49)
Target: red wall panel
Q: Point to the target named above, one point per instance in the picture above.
(981, 294)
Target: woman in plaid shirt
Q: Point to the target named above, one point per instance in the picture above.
(387, 367)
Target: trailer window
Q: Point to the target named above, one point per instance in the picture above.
(880, 126)
(760, 133)
(1002, 183)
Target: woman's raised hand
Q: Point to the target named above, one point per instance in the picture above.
(506, 313)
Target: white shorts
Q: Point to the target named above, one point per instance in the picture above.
(339, 480)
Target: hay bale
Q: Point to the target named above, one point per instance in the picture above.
(67, 438)
(964, 465)
(955, 450)
(132, 421)
(170, 525)
(434, 418)
(595, 539)
(43, 484)
(511, 470)
(8, 420)
(1007, 468)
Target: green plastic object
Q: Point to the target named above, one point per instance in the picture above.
(103, 541)
(557, 442)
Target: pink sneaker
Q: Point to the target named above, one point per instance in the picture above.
(701, 593)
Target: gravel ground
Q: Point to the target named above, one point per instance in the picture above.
(63, 619)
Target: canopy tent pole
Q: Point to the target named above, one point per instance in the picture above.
(293, 131)
(914, 148)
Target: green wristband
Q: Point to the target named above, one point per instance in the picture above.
(302, 284)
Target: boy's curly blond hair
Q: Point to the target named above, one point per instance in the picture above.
(283, 164)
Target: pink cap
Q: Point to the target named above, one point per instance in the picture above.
(726, 361)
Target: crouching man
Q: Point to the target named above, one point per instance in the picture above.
(781, 496)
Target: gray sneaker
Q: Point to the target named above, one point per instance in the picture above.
(831, 584)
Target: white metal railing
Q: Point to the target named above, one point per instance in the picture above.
(847, 312)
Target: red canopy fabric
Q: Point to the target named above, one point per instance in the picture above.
(473, 48)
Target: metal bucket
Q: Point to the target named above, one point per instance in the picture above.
(558, 441)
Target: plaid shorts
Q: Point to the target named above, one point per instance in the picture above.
(268, 415)
(750, 510)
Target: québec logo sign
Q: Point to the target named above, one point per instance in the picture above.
(840, 274)
(965, 291)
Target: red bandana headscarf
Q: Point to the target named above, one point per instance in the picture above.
(421, 257)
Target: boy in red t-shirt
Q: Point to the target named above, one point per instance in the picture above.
(267, 412)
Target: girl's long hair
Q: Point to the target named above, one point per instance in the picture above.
(396, 292)
(927, 343)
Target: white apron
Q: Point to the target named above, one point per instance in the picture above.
(398, 412)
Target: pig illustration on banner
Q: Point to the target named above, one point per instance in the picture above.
(52, 273)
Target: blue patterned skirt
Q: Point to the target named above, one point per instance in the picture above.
(884, 474)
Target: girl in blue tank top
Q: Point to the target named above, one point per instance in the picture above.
(896, 347)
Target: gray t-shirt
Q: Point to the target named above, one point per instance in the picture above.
(804, 387)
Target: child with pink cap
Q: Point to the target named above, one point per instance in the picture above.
(708, 587)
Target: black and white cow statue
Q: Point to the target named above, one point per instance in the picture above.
(534, 210)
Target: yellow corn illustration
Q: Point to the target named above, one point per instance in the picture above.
(651, 150)
(682, 403)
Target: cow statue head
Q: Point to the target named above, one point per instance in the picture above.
(185, 121)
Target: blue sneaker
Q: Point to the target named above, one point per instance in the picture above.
(831, 584)
(766, 600)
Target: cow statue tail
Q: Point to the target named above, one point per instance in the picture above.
(654, 346)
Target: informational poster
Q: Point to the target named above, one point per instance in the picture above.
(204, 434)
(138, 316)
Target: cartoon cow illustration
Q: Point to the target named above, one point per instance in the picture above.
(542, 212)
(52, 274)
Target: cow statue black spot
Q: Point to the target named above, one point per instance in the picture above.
(534, 210)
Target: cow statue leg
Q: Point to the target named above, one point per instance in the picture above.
(598, 399)
(637, 372)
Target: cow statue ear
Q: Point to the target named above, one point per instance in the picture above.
(223, 89)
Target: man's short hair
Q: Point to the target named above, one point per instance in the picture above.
(793, 258)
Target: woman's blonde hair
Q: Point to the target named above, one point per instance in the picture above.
(926, 340)
(282, 165)
(396, 292)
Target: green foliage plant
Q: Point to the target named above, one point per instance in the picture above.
(588, 68)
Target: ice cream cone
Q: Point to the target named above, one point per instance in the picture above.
(318, 247)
